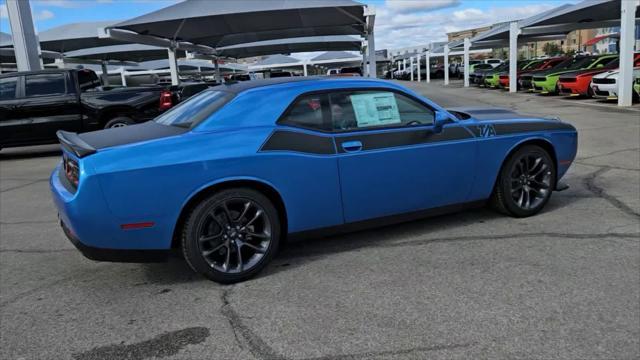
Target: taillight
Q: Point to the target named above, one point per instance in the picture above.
(165, 100)
(71, 170)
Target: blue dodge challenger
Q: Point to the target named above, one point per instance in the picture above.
(230, 173)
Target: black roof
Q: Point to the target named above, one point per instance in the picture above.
(240, 86)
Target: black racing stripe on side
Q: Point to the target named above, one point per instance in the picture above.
(404, 138)
(282, 140)
(514, 128)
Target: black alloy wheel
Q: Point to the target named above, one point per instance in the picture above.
(525, 183)
(231, 235)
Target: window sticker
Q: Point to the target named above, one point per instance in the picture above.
(375, 109)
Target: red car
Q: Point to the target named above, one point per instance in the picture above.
(537, 65)
(577, 83)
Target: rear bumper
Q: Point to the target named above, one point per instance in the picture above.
(92, 228)
(115, 255)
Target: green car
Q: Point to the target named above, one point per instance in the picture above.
(491, 78)
(547, 82)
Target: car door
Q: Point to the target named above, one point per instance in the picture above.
(392, 159)
(8, 108)
(50, 104)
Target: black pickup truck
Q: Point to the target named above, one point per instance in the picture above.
(34, 105)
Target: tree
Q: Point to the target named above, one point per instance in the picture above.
(551, 49)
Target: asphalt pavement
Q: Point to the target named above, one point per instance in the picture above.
(564, 284)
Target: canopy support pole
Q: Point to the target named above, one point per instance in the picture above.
(398, 69)
(365, 69)
(304, 68)
(371, 42)
(216, 64)
(123, 78)
(627, 27)
(467, 46)
(418, 66)
(428, 64)
(446, 64)
(105, 73)
(411, 67)
(514, 31)
(404, 65)
(173, 66)
(25, 41)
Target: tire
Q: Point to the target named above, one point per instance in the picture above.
(253, 232)
(523, 189)
(119, 121)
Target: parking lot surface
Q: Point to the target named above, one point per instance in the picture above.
(564, 284)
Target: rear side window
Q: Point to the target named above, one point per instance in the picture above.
(45, 84)
(8, 88)
(309, 111)
(197, 108)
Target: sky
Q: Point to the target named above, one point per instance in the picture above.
(399, 23)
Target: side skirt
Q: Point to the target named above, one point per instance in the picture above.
(385, 221)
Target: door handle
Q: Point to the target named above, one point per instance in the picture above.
(352, 146)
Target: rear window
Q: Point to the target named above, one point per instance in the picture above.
(45, 84)
(88, 80)
(8, 88)
(195, 109)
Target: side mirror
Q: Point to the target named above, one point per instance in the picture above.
(439, 120)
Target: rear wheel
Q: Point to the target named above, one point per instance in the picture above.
(231, 235)
(119, 121)
(525, 182)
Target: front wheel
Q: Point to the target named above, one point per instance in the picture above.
(525, 182)
(231, 235)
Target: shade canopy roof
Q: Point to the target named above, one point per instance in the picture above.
(125, 52)
(5, 38)
(7, 56)
(287, 46)
(335, 55)
(276, 59)
(230, 22)
(585, 13)
(188, 64)
(75, 36)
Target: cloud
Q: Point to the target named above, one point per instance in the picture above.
(60, 3)
(404, 6)
(43, 15)
(406, 25)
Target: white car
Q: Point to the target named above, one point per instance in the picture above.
(333, 71)
(605, 85)
(493, 62)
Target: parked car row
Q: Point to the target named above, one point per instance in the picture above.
(35, 105)
(585, 76)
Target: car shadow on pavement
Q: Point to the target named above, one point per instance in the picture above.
(301, 251)
(30, 152)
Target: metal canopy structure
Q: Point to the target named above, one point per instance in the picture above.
(230, 22)
(288, 46)
(334, 55)
(588, 15)
(207, 26)
(555, 24)
(125, 52)
(75, 36)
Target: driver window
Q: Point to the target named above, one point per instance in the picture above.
(376, 109)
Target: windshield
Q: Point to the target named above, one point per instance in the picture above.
(579, 63)
(196, 109)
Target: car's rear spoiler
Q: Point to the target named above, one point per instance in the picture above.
(73, 143)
